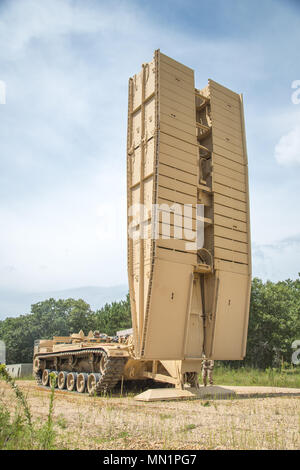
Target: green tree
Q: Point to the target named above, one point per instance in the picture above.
(47, 319)
(113, 317)
(274, 322)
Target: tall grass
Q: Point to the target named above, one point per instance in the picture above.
(247, 376)
(17, 430)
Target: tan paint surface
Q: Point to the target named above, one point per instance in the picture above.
(188, 147)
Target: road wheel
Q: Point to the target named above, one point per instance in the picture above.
(62, 380)
(81, 382)
(71, 381)
(45, 377)
(92, 381)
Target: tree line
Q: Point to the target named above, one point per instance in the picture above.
(274, 323)
(59, 318)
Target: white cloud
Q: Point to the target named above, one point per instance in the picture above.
(287, 150)
(36, 20)
(63, 130)
(277, 261)
(66, 238)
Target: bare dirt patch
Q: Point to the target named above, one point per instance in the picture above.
(83, 422)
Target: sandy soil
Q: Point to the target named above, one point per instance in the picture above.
(257, 418)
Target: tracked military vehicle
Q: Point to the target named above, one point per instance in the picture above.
(94, 363)
(187, 175)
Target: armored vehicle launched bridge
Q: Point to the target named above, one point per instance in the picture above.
(189, 253)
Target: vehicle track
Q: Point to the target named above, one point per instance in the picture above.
(110, 374)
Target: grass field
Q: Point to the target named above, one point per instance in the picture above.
(75, 421)
(249, 376)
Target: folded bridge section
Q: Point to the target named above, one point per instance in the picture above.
(189, 259)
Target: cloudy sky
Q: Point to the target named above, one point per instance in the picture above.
(66, 65)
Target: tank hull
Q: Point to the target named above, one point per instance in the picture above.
(98, 368)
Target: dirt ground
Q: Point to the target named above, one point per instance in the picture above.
(265, 419)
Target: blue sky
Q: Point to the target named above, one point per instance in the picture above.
(66, 66)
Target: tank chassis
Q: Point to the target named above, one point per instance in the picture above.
(97, 362)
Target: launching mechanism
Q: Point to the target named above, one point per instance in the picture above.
(189, 257)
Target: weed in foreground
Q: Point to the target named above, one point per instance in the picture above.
(18, 431)
(206, 403)
(189, 427)
(163, 416)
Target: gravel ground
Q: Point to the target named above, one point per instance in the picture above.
(256, 418)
